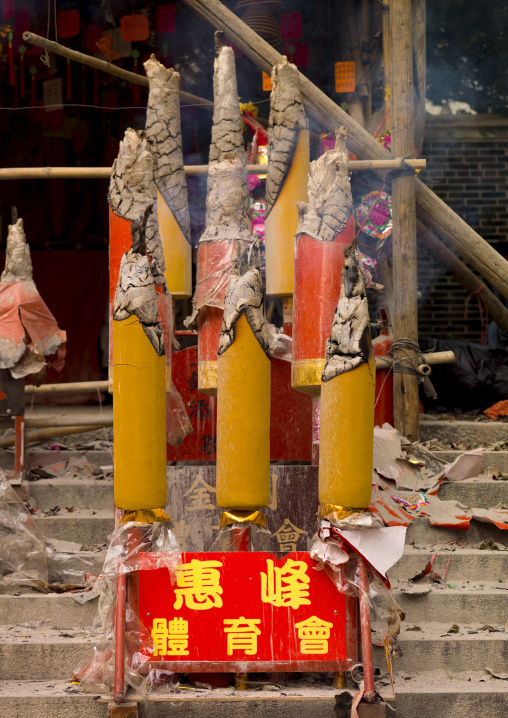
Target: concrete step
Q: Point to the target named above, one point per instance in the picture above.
(77, 493)
(97, 458)
(421, 534)
(473, 604)
(482, 492)
(434, 693)
(466, 563)
(58, 611)
(469, 432)
(35, 654)
(83, 526)
(492, 460)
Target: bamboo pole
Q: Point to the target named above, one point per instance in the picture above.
(434, 212)
(69, 388)
(387, 63)
(16, 173)
(469, 280)
(431, 359)
(108, 67)
(405, 314)
(50, 433)
(72, 420)
(420, 69)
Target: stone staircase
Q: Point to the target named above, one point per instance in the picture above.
(44, 636)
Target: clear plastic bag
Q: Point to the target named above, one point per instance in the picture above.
(132, 538)
(234, 538)
(281, 345)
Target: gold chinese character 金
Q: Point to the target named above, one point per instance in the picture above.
(287, 536)
(198, 583)
(170, 638)
(242, 635)
(199, 494)
(314, 634)
(285, 586)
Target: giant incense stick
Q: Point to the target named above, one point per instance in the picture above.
(326, 227)
(347, 399)
(227, 215)
(171, 211)
(286, 183)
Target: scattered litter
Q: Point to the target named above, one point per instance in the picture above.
(490, 545)
(465, 466)
(452, 585)
(413, 628)
(416, 589)
(427, 571)
(453, 629)
(490, 629)
(500, 408)
(496, 674)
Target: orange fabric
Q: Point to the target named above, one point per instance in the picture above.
(498, 409)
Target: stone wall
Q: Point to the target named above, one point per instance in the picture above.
(467, 166)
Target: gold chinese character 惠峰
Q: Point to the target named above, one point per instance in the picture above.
(170, 638)
(242, 635)
(285, 586)
(198, 583)
(314, 634)
(287, 536)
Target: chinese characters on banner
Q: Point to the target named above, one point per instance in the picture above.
(248, 608)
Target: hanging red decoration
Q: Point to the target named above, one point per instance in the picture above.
(33, 88)
(165, 18)
(21, 25)
(21, 50)
(291, 26)
(298, 52)
(12, 78)
(7, 8)
(134, 28)
(236, 50)
(135, 88)
(92, 35)
(83, 85)
(68, 23)
(68, 82)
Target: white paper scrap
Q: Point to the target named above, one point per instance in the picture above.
(382, 548)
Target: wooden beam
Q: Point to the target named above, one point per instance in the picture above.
(405, 314)
(433, 211)
(107, 67)
(469, 280)
(419, 69)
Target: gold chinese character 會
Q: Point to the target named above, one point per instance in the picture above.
(198, 583)
(285, 586)
(170, 638)
(313, 634)
(288, 535)
(242, 635)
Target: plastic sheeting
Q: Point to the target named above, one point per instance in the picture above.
(97, 674)
(26, 559)
(234, 538)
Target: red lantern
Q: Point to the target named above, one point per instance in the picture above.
(291, 25)
(165, 18)
(134, 28)
(7, 8)
(298, 52)
(92, 35)
(68, 23)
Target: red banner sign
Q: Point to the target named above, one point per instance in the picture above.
(246, 611)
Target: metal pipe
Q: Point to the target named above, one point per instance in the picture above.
(120, 613)
(368, 670)
(68, 388)
(16, 173)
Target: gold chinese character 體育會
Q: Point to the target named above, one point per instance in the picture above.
(314, 634)
(242, 635)
(170, 638)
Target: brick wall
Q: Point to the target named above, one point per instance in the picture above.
(467, 166)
